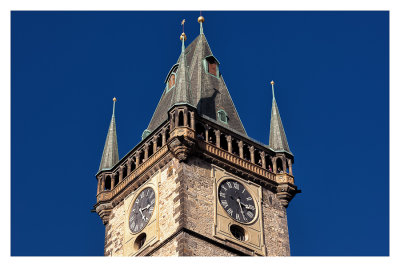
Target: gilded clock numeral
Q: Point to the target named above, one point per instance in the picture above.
(244, 190)
(230, 211)
(136, 228)
(222, 194)
(152, 201)
(251, 207)
(151, 210)
(224, 203)
(249, 198)
(137, 201)
(236, 186)
(142, 195)
(237, 217)
(229, 184)
(147, 193)
(250, 214)
(223, 187)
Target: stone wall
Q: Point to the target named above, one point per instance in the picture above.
(186, 201)
(276, 231)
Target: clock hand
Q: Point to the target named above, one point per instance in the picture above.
(145, 208)
(144, 218)
(241, 210)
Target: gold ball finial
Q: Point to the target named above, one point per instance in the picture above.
(114, 99)
(200, 19)
(272, 82)
(183, 36)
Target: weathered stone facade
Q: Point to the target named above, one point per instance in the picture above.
(186, 217)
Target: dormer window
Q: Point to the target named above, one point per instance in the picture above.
(171, 81)
(171, 78)
(211, 65)
(222, 116)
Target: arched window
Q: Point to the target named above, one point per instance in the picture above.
(124, 172)
(171, 78)
(171, 81)
(116, 180)
(279, 165)
(235, 147)
(246, 152)
(222, 116)
(223, 142)
(107, 184)
(159, 142)
(133, 165)
(150, 149)
(268, 163)
(201, 132)
(180, 118)
(257, 157)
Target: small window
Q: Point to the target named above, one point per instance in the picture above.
(211, 65)
(222, 116)
(171, 81)
(171, 78)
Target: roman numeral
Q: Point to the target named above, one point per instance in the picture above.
(229, 184)
(250, 214)
(142, 195)
(222, 194)
(237, 217)
(136, 228)
(224, 187)
(147, 193)
(236, 186)
(151, 210)
(224, 203)
(244, 189)
(137, 201)
(230, 211)
(152, 201)
(249, 198)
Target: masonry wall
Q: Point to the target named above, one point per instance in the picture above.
(186, 200)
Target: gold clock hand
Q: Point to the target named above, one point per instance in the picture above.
(241, 210)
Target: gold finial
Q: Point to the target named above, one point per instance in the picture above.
(183, 36)
(114, 99)
(200, 19)
(183, 22)
(272, 82)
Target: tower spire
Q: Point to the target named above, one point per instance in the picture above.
(110, 152)
(277, 136)
(181, 94)
(201, 20)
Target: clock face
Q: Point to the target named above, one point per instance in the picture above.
(142, 210)
(236, 201)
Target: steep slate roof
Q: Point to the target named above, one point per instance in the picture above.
(277, 136)
(207, 93)
(110, 152)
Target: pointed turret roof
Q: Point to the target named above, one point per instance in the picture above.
(181, 93)
(110, 152)
(208, 93)
(277, 136)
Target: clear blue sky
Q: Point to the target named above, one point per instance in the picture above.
(332, 86)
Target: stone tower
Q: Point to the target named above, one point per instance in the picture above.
(196, 184)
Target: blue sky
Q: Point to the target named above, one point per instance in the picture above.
(332, 87)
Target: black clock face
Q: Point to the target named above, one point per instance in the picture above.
(142, 210)
(236, 201)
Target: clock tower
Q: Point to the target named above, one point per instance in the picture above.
(197, 184)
